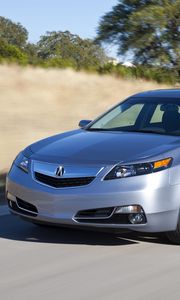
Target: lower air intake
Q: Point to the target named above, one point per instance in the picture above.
(26, 206)
(95, 213)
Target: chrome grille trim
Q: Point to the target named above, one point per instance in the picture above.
(70, 171)
(73, 176)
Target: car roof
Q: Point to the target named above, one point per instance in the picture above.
(165, 93)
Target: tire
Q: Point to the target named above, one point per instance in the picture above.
(174, 236)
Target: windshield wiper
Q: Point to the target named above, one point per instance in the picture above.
(126, 130)
(145, 131)
(99, 129)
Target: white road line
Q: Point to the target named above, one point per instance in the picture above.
(4, 210)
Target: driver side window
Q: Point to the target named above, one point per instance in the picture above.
(157, 115)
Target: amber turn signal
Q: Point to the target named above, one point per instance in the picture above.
(164, 163)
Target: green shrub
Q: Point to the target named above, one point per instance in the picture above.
(56, 62)
(160, 75)
(11, 54)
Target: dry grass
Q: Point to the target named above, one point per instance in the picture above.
(35, 103)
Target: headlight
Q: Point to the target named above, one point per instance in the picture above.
(123, 171)
(22, 162)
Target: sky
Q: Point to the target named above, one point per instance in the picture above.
(38, 16)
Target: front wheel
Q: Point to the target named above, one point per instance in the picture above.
(174, 236)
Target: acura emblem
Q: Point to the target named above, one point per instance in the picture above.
(60, 171)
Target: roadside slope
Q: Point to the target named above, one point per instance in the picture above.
(36, 103)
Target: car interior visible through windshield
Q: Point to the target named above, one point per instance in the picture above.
(142, 115)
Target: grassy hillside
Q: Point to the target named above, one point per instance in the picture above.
(35, 103)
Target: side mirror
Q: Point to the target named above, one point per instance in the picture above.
(84, 123)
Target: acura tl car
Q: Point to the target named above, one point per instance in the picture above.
(120, 171)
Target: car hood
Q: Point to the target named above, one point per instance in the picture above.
(106, 148)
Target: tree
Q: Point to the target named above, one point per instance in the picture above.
(13, 33)
(10, 53)
(84, 53)
(31, 51)
(148, 29)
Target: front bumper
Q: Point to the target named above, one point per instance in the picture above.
(152, 192)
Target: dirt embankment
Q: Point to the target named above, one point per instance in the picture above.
(35, 103)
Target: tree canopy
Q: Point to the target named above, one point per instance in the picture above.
(68, 46)
(13, 33)
(147, 29)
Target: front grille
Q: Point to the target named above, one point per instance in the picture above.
(63, 182)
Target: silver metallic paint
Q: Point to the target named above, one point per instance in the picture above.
(85, 153)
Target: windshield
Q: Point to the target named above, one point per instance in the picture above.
(156, 115)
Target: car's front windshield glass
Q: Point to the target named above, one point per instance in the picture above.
(156, 115)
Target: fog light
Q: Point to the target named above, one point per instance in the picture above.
(137, 218)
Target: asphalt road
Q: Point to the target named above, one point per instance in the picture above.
(55, 263)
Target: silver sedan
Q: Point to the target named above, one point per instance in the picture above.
(120, 171)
